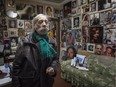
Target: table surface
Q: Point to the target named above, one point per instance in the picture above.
(6, 80)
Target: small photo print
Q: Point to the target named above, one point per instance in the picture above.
(14, 41)
(63, 35)
(78, 10)
(85, 19)
(56, 13)
(49, 11)
(85, 34)
(20, 24)
(78, 34)
(114, 16)
(84, 46)
(96, 34)
(3, 23)
(74, 4)
(94, 19)
(21, 32)
(13, 32)
(76, 22)
(113, 3)
(90, 47)
(39, 9)
(105, 17)
(99, 49)
(27, 25)
(12, 23)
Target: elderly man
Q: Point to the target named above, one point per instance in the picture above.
(36, 61)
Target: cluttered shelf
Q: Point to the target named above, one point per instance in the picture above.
(100, 73)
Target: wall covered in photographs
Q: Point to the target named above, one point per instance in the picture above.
(93, 26)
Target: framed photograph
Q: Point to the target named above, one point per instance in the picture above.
(27, 25)
(90, 47)
(85, 34)
(11, 3)
(105, 17)
(67, 9)
(93, 7)
(49, 11)
(78, 10)
(99, 49)
(63, 35)
(67, 23)
(21, 32)
(39, 9)
(61, 14)
(79, 3)
(12, 23)
(94, 19)
(73, 4)
(113, 3)
(13, 32)
(114, 16)
(76, 22)
(20, 24)
(107, 4)
(3, 23)
(85, 19)
(84, 46)
(78, 34)
(109, 50)
(5, 34)
(85, 8)
(56, 13)
(96, 34)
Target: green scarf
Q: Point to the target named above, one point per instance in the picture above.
(46, 51)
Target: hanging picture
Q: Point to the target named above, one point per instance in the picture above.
(85, 19)
(96, 34)
(93, 7)
(90, 47)
(13, 32)
(39, 9)
(2, 8)
(21, 32)
(11, 3)
(56, 13)
(76, 22)
(85, 34)
(67, 9)
(20, 24)
(49, 11)
(3, 23)
(78, 34)
(27, 25)
(12, 23)
(73, 4)
(5, 34)
(113, 3)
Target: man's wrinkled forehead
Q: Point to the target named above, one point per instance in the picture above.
(42, 17)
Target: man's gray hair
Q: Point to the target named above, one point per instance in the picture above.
(35, 19)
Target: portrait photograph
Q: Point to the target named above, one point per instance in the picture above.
(85, 8)
(85, 19)
(96, 34)
(90, 47)
(113, 3)
(63, 54)
(74, 11)
(78, 35)
(76, 22)
(73, 4)
(94, 19)
(105, 17)
(39, 9)
(79, 3)
(12, 23)
(14, 41)
(99, 49)
(20, 24)
(107, 4)
(13, 32)
(1, 34)
(63, 35)
(56, 13)
(3, 23)
(84, 46)
(67, 23)
(49, 11)
(85, 33)
(5, 34)
(67, 9)
(27, 25)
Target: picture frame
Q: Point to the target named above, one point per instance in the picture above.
(13, 32)
(49, 11)
(85, 34)
(76, 22)
(2, 8)
(90, 47)
(39, 9)
(56, 12)
(114, 16)
(12, 23)
(73, 4)
(20, 24)
(11, 3)
(27, 25)
(5, 34)
(93, 7)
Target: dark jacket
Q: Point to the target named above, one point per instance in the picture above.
(28, 69)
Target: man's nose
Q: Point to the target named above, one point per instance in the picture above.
(44, 24)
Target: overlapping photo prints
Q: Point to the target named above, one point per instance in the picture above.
(78, 34)
(90, 47)
(96, 34)
(94, 19)
(105, 17)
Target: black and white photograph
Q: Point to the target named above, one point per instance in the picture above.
(39, 9)
(90, 47)
(90, 1)
(76, 22)
(12, 23)
(73, 4)
(85, 34)
(56, 13)
(93, 7)
(3, 23)
(5, 34)
(113, 3)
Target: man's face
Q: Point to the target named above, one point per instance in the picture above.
(98, 49)
(41, 25)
